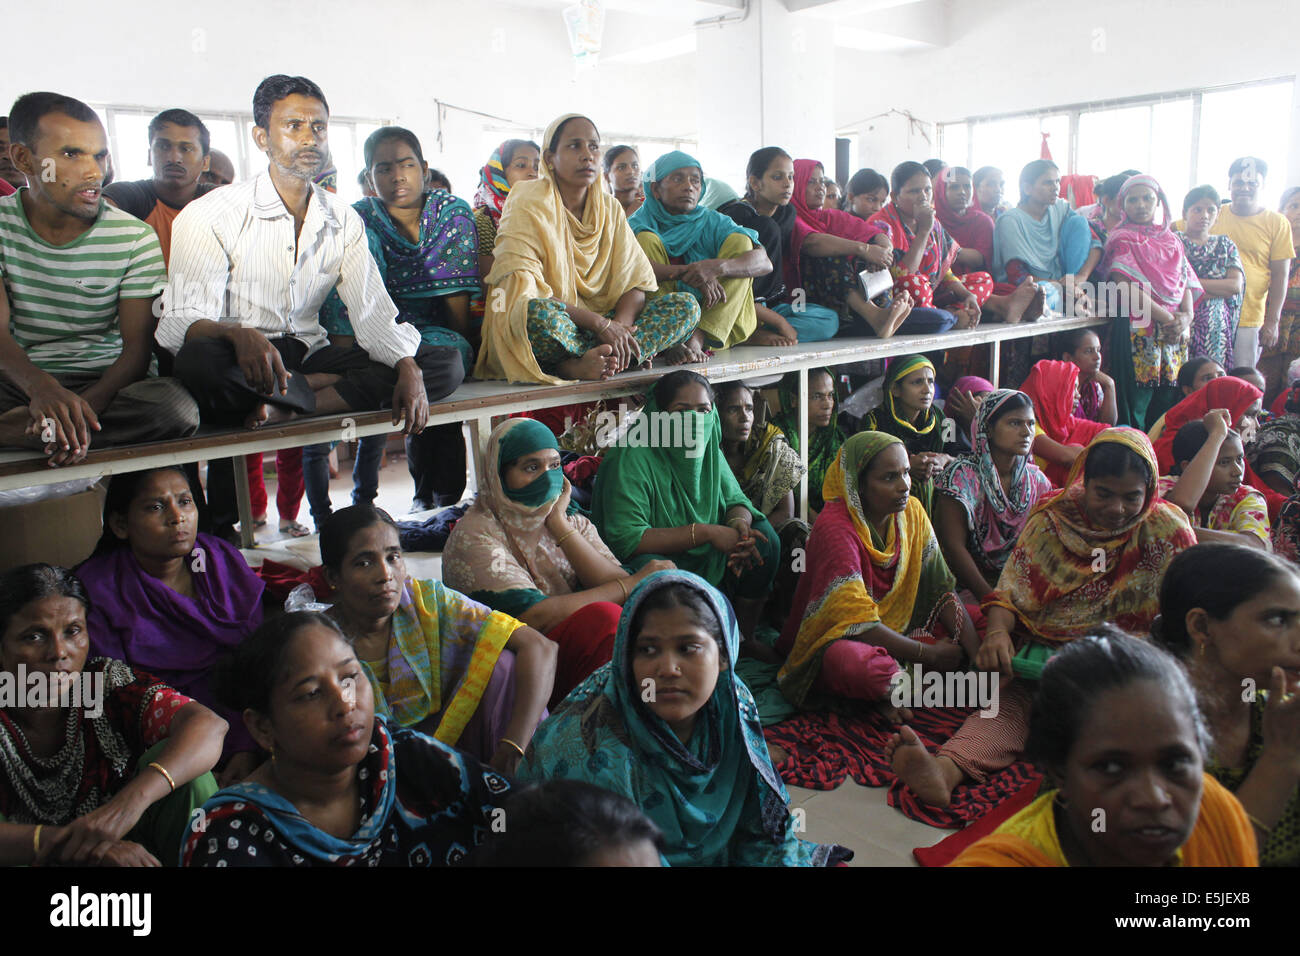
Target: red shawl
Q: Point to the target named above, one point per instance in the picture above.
(808, 221)
(1224, 392)
(1084, 191)
(972, 229)
(1050, 386)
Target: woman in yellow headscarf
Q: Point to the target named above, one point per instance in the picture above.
(566, 294)
(876, 591)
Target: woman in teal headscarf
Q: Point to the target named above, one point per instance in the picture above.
(694, 249)
(666, 491)
(692, 756)
(907, 411)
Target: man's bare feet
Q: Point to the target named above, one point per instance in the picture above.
(918, 768)
(266, 414)
(764, 336)
(595, 364)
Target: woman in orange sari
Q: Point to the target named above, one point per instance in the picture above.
(1117, 730)
(1093, 553)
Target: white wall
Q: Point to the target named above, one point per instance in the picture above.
(1012, 55)
(507, 61)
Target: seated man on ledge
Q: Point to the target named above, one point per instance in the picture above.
(251, 265)
(710, 255)
(80, 278)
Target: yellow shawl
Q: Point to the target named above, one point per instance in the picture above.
(544, 251)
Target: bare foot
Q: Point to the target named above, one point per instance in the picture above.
(897, 314)
(777, 755)
(595, 364)
(265, 414)
(764, 336)
(1018, 302)
(777, 323)
(692, 350)
(918, 768)
(1037, 306)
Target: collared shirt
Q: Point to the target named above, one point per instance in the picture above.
(234, 259)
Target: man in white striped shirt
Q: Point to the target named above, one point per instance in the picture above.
(250, 266)
(79, 281)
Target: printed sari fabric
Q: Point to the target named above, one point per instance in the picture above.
(492, 190)
(854, 580)
(545, 252)
(440, 659)
(417, 274)
(500, 552)
(940, 249)
(994, 516)
(826, 440)
(772, 468)
(1050, 386)
(1225, 392)
(1282, 844)
(716, 798)
(98, 756)
(925, 435)
(1153, 257)
(442, 809)
(1242, 511)
(1066, 575)
(1222, 836)
(1214, 323)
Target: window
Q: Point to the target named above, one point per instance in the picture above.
(1157, 134)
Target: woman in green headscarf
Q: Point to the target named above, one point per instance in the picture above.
(907, 412)
(692, 756)
(524, 549)
(827, 436)
(666, 490)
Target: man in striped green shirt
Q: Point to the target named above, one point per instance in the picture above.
(81, 277)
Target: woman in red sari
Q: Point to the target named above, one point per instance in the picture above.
(1054, 389)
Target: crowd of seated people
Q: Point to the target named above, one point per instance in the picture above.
(1110, 528)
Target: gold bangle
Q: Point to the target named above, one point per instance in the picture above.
(1257, 823)
(623, 586)
(36, 839)
(692, 534)
(604, 327)
(507, 740)
(163, 770)
(563, 537)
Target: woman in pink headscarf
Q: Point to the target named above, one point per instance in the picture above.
(828, 249)
(1148, 264)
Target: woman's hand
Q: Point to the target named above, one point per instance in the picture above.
(505, 760)
(122, 853)
(723, 537)
(996, 652)
(627, 353)
(745, 554)
(961, 405)
(557, 520)
(78, 841)
(943, 656)
(1217, 424)
(876, 256)
(649, 568)
(924, 220)
(238, 767)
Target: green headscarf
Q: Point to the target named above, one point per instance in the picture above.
(642, 486)
(826, 441)
(527, 438)
(716, 798)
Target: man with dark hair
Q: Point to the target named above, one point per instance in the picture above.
(221, 171)
(178, 153)
(252, 264)
(10, 177)
(81, 277)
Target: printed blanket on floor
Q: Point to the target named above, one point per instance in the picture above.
(825, 749)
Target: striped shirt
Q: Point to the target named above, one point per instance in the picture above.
(63, 299)
(234, 258)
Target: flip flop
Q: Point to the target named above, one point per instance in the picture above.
(259, 524)
(295, 529)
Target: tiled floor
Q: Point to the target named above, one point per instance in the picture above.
(853, 816)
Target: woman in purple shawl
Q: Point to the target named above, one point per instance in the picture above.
(168, 600)
(1151, 273)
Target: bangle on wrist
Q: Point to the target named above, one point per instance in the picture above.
(510, 743)
(623, 587)
(163, 770)
(36, 840)
(692, 534)
(562, 538)
(604, 327)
